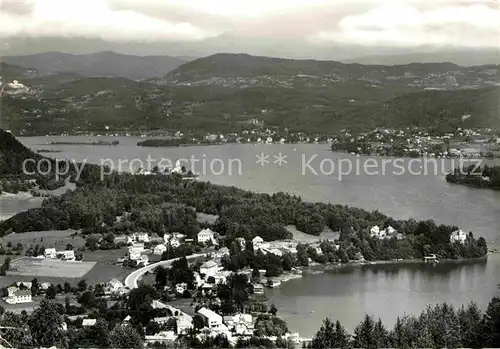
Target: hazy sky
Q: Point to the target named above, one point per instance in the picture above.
(397, 23)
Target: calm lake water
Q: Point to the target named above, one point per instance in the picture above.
(12, 204)
(349, 293)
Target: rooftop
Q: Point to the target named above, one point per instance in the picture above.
(209, 314)
(209, 264)
(206, 231)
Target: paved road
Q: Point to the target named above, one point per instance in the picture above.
(131, 281)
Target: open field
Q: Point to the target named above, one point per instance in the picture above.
(12, 204)
(206, 218)
(27, 266)
(57, 239)
(105, 269)
(97, 266)
(327, 234)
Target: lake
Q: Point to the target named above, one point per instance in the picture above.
(401, 189)
(14, 203)
(385, 291)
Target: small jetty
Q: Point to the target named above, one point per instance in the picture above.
(431, 259)
(273, 283)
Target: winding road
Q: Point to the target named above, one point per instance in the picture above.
(131, 281)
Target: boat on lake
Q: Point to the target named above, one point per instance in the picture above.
(431, 259)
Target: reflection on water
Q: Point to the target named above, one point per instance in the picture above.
(384, 291)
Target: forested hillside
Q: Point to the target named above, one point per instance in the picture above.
(222, 93)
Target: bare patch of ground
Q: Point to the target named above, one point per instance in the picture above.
(34, 267)
(327, 234)
(206, 218)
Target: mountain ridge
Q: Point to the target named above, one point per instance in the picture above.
(223, 92)
(461, 58)
(228, 64)
(261, 46)
(103, 63)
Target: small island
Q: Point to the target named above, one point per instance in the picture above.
(173, 142)
(48, 151)
(85, 143)
(485, 177)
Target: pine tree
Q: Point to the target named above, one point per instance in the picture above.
(342, 337)
(424, 339)
(397, 335)
(323, 339)
(470, 320)
(381, 335)
(452, 327)
(492, 324)
(364, 336)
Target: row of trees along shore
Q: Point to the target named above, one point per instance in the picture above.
(440, 326)
(479, 177)
(163, 204)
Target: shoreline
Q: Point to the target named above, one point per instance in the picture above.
(11, 203)
(473, 186)
(317, 268)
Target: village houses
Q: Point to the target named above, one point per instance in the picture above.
(89, 322)
(387, 233)
(240, 324)
(17, 296)
(135, 251)
(181, 288)
(209, 268)
(260, 244)
(160, 249)
(174, 239)
(162, 337)
(257, 241)
(175, 242)
(458, 236)
(52, 253)
(206, 235)
(212, 319)
(258, 289)
(138, 237)
(68, 255)
(115, 286)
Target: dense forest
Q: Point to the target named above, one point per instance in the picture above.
(167, 204)
(485, 177)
